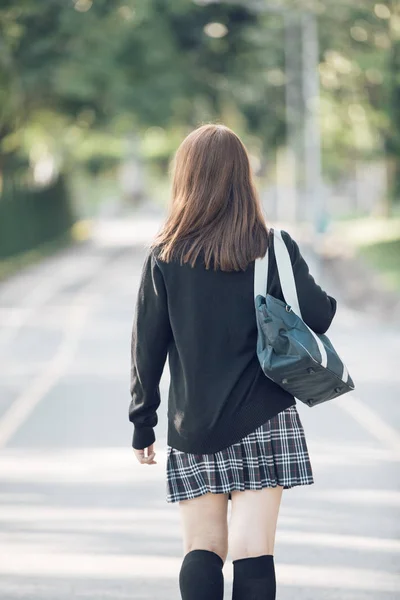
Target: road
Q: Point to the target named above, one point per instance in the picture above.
(80, 519)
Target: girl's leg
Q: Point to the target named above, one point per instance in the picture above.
(252, 531)
(205, 540)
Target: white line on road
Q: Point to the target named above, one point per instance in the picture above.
(383, 498)
(23, 406)
(371, 421)
(22, 560)
(164, 523)
(329, 540)
(41, 293)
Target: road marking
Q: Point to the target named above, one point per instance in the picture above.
(383, 498)
(148, 522)
(25, 559)
(23, 406)
(41, 293)
(371, 421)
(329, 540)
(118, 465)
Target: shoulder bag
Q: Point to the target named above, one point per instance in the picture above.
(302, 362)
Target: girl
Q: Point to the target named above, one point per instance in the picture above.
(233, 434)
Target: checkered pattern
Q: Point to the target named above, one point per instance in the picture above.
(274, 454)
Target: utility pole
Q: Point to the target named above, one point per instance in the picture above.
(312, 134)
(307, 23)
(294, 107)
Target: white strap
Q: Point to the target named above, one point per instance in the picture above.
(285, 270)
(288, 285)
(261, 275)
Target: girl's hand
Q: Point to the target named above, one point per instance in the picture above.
(146, 456)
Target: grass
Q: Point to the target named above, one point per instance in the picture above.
(384, 257)
(377, 242)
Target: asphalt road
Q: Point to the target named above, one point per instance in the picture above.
(79, 518)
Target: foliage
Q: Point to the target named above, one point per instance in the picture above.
(385, 258)
(79, 77)
(29, 217)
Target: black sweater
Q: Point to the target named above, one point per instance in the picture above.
(204, 320)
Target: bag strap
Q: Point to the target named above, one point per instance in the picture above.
(285, 272)
(286, 276)
(261, 275)
(288, 285)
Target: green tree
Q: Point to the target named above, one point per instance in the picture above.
(82, 73)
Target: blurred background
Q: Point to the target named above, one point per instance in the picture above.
(95, 97)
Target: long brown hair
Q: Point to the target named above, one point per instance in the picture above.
(215, 209)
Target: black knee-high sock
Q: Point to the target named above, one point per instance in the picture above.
(201, 576)
(254, 578)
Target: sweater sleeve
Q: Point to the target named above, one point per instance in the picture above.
(317, 308)
(151, 334)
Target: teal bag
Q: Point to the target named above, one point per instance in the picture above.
(302, 362)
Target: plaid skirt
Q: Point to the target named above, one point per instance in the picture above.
(273, 454)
